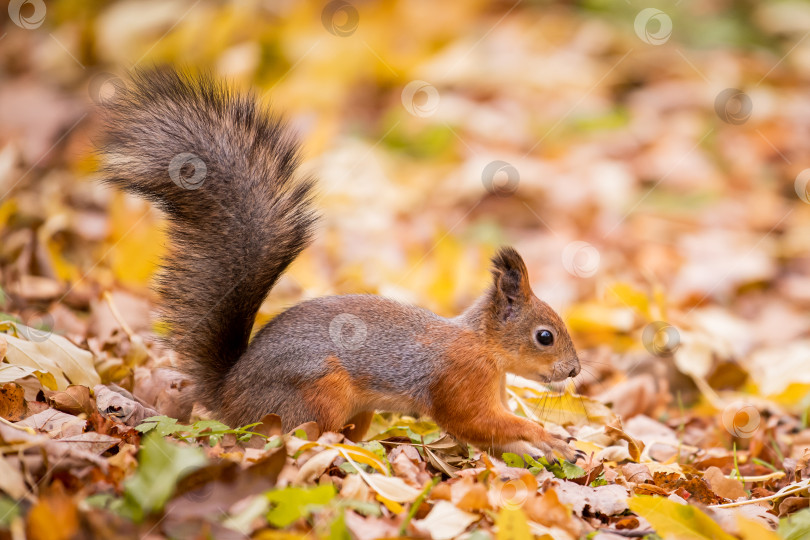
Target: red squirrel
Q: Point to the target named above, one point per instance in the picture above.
(223, 169)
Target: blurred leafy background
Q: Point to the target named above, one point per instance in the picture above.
(649, 160)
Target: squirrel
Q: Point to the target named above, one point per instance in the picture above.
(223, 169)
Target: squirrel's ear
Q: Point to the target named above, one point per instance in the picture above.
(511, 280)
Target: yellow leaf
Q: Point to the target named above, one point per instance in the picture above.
(139, 239)
(564, 409)
(677, 521)
(512, 525)
(363, 456)
(46, 380)
(631, 297)
(393, 506)
(749, 529)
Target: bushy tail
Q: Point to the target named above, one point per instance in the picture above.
(223, 170)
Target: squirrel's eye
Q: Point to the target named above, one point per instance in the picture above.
(544, 337)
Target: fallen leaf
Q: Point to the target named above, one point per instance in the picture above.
(75, 399)
(607, 500)
(54, 355)
(512, 525)
(677, 521)
(727, 488)
(11, 479)
(445, 521)
(12, 402)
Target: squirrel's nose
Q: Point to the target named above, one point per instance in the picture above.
(574, 372)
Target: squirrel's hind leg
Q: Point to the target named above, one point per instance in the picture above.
(358, 425)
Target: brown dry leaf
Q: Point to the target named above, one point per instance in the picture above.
(370, 528)
(52, 509)
(165, 390)
(50, 420)
(637, 472)
(407, 470)
(792, 504)
(634, 446)
(699, 490)
(728, 488)
(120, 405)
(75, 399)
(650, 489)
(12, 402)
(90, 442)
(547, 510)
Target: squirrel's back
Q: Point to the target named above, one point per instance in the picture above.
(223, 169)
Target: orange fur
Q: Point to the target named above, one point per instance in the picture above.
(468, 400)
(331, 397)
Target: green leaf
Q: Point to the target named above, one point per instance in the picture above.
(561, 469)
(162, 465)
(513, 460)
(677, 521)
(294, 503)
(571, 470)
(795, 526)
(162, 425)
(9, 510)
(338, 529)
(361, 507)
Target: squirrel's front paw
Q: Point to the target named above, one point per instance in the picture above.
(552, 444)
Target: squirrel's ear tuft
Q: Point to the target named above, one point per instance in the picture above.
(511, 279)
